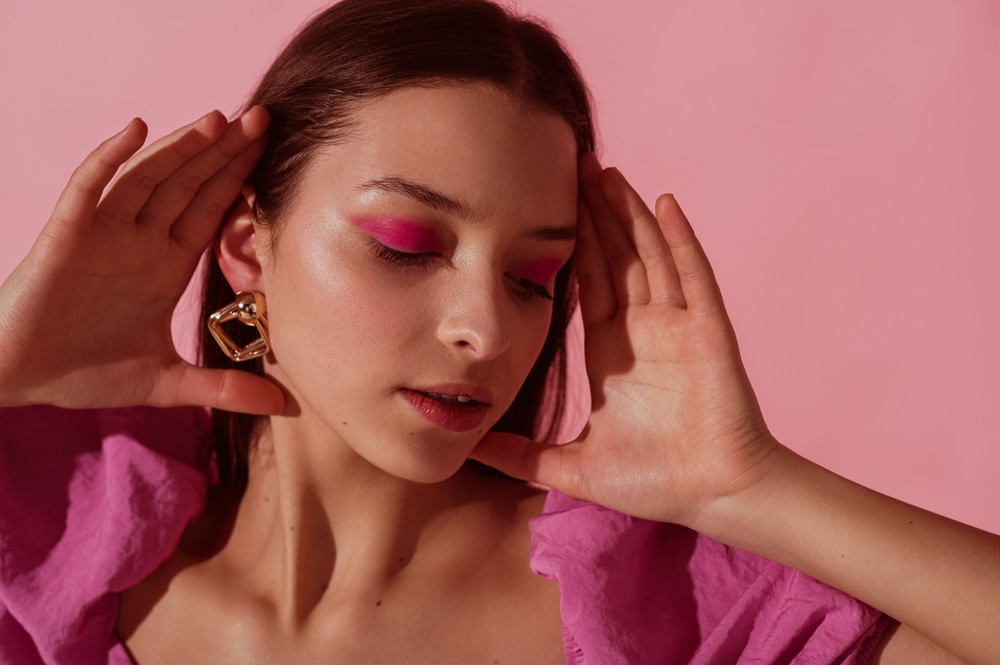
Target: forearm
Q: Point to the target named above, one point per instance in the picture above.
(935, 575)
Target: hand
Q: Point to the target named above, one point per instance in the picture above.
(676, 435)
(85, 318)
(675, 425)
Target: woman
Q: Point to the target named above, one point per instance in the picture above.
(401, 245)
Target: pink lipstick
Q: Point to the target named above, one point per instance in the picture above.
(452, 407)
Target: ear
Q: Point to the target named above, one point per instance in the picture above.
(236, 247)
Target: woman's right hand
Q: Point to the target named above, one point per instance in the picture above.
(85, 317)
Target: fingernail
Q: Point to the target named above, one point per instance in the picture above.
(210, 114)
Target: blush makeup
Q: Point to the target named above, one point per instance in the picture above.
(402, 235)
(539, 271)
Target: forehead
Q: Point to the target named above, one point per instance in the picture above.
(473, 142)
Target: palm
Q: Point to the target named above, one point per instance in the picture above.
(86, 316)
(675, 424)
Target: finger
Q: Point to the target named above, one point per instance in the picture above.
(172, 196)
(646, 236)
(226, 389)
(141, 175)
(83, 192)
(597, 290)
(697, 281)
(196, 227)
(627, 271)
(519, 457)
(590, 190)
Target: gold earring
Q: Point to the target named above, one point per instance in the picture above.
(250, 310)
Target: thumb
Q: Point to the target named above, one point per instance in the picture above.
(226, 389)
(520, 457)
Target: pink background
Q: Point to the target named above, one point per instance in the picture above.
(839, 159)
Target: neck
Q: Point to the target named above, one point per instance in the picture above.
(318, 522)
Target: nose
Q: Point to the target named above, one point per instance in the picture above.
(475, 321)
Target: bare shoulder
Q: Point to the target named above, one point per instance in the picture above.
(150, 612)
(902, 645)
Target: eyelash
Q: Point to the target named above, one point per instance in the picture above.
(524, 289)
(402, 258)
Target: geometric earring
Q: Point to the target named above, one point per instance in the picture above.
(251, 310)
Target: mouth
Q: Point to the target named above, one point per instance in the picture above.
(461, 400)
(458, 409)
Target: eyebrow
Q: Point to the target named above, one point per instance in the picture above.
(567, 232)
(420, 193)
(438, 201)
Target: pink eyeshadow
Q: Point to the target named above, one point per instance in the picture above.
(539, 271)
(402, 235)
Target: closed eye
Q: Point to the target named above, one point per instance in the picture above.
(523, 288)
(526, 290)
(402, 258)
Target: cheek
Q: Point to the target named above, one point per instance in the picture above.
(529, 338)
(329, 310)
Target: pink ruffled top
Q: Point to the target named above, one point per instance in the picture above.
(92, 502)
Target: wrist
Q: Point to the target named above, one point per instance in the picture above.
(755, 511)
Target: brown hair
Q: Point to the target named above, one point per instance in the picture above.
(359, 49)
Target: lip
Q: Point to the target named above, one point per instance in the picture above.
(446, 415)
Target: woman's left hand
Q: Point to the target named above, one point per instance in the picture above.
(675, 425)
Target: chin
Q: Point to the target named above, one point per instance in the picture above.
(425, 471)
(428, 459)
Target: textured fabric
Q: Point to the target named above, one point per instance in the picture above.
(92, 502)
(634, 591)
(86, 512)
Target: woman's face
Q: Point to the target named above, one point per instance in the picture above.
(409, 290)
